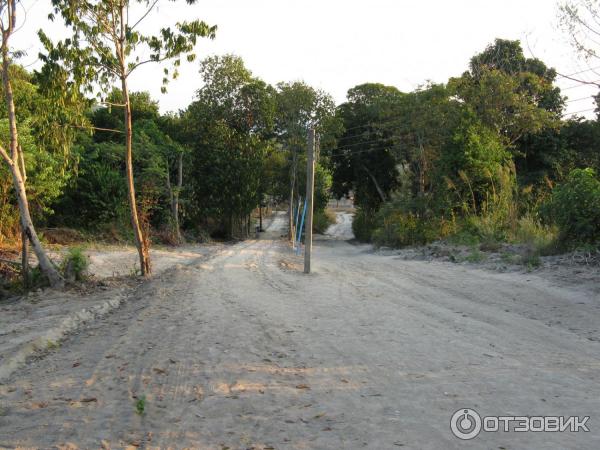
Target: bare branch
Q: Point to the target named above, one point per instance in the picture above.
(144, 15)
(6, 156)
(135, 66)
(119, 105)
(93, 128)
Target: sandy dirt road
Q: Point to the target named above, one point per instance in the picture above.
(244, 351)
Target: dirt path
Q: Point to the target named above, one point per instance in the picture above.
(244, 351)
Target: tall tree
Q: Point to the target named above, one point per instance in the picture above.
(231, 124)
(581, 20)
(515, 96)
(107, 46)
(364, 160)
(14, 156)
(299, 107)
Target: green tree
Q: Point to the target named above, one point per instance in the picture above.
(299, 108)
(575, 207)
(229, 128)
(364, 160)
(13, 154)
(107, 45)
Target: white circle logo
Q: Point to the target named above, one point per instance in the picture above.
(465, 424)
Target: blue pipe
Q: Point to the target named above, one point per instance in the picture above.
(297, 214)
(299, 240)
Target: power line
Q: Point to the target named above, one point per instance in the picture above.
(589, 97)
(590, 69)
(582, 84)
(577, 112)
(393, 147)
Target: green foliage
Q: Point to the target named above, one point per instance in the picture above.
(364, 161)
(52, 345)
(543, 239)
(363, 224)
(531, 259)
(45, 145)
(470, 161)
(229, 125)
(75, 264)
(96, 198)
(402, 222)
(105, 46)
(475, 256)
(322, 219)
(574, 207)
(510, 94)
(45, 178)
(140, 405)
(471, 164)
(400, 230)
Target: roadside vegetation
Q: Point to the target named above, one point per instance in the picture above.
(485, 159)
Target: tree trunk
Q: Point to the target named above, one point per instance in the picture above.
(291, 230)
(27, 227)
(141, 239)
(379, 190)
(24, 239)
(176, 197)
(13, 162)
(422, 169)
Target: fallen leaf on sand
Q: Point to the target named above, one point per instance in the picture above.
(39, 405)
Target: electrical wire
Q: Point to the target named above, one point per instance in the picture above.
(578, 112)
(583, 84)
(590, 69)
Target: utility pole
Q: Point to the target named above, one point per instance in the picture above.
(310, 187)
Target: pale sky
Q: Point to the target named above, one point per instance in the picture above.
(337, 44)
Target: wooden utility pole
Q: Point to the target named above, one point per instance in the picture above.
(310, 188)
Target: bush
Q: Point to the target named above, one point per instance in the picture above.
(322, 220)
(398, 229)
(363, 225)
(541, 238)
(574, 206)
(75, 265)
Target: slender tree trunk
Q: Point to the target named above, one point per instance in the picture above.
(13, 162)
(25, 259)
(291, 231)
(379, 190)
(27, 227)
(141, 240)
(176, 197)
(24, 239)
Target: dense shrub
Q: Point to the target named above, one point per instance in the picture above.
(363, 225)
(401, 229)
(574, 207)
(75, 264)
(540, 237)
(322, 220)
